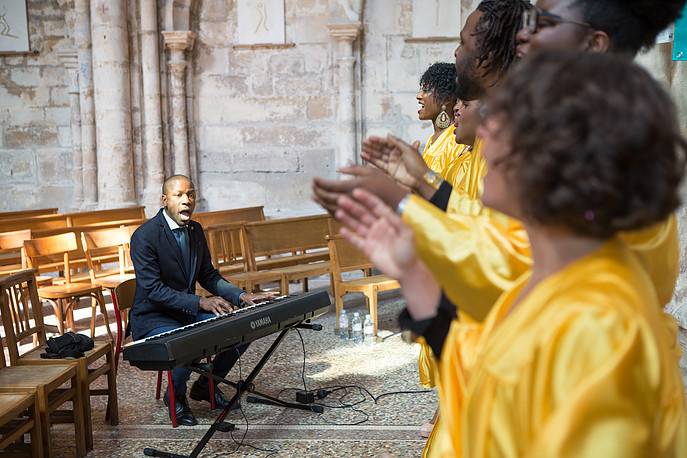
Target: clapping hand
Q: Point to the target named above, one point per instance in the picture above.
(397, 158)
(374, 228)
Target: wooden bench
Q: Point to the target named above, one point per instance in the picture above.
(35, 223)
(293, 247)
(233, 215)
(122, 216)
(27, 213)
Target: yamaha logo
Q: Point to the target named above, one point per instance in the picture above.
(255, 324)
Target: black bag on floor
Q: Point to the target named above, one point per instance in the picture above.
(70, 345)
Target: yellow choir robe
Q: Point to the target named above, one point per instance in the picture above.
(452, 162)
(581, 367)
(476, 253)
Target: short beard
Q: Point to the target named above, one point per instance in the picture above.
(469, 87)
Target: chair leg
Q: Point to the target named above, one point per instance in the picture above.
(100, 299)
(172, 402)
(83, 430)
(373, 311)
(85, 394)
(120, 331)
(112, 403)
(339, 307)
(69, 306)
(36, 436)
(305, 285)
(94, 314)
(59, 316)
(159, 385)
(44, 416)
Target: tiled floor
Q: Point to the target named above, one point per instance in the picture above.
(387, 428)
(390, 426)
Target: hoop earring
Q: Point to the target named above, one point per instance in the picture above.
(443, 120)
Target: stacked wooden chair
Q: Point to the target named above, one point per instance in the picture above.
(53, 253)
(22, 318)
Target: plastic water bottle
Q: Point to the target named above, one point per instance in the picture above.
(343, 325)
(368, 330)
(357, 328)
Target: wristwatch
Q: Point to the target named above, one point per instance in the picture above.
(433, 179)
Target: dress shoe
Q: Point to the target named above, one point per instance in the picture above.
(184, 414)
(199, 393)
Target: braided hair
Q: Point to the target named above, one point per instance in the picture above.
(440, 80)
(496, 31)
(631, 24)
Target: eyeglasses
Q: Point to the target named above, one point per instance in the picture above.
(534, 19)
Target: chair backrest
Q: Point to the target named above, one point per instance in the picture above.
(233, 215)
(27, 213)
(224, 243)
(21, 311)
(345, 257)
(103, 243)
(125, 293)
(109, 217)
(53, 253)
(284, 236)
(12, 248)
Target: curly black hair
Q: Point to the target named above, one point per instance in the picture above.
(596, 155)
(440, 80)
(631, 24)
(496, 31)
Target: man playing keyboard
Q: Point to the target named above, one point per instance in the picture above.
(170, 253)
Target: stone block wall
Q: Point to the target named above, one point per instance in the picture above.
(35, 132)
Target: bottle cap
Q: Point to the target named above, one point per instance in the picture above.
(356, 314)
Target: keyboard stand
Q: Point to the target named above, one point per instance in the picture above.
(241, 388)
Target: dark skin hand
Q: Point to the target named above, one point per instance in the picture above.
(219, 305)
(327, 192)
(400, 160)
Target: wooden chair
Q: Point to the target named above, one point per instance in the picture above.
(346, 258)
(126, 293)
(18, 416)
(98, 247)
(13, 255)
(27, 213)
(224, 243)
(43, 253)
(22, 320)
(46, 386)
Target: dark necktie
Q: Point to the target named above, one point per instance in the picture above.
(181, 234)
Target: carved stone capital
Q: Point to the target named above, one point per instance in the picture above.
(179, 40)
(346, 31)
(177, 68)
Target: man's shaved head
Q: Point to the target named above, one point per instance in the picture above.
(173, 178)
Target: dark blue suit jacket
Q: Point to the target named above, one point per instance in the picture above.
(165, 291)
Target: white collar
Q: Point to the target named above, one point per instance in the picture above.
(170, 222)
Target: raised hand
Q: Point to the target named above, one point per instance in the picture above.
(377, 231)
(327, 192)
(397, 158)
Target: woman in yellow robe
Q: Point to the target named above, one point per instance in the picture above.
(576, 358)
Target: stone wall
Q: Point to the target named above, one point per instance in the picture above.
(35, 132)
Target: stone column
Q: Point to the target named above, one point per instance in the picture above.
(71, 62)
(346, 136)
(82, 39)
(152, 118)
(112, 103)
(178, 42)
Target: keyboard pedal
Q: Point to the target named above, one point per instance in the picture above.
(225, 427)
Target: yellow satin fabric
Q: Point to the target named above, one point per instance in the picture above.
(476, 253)
(582, 367)
(453, 162)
